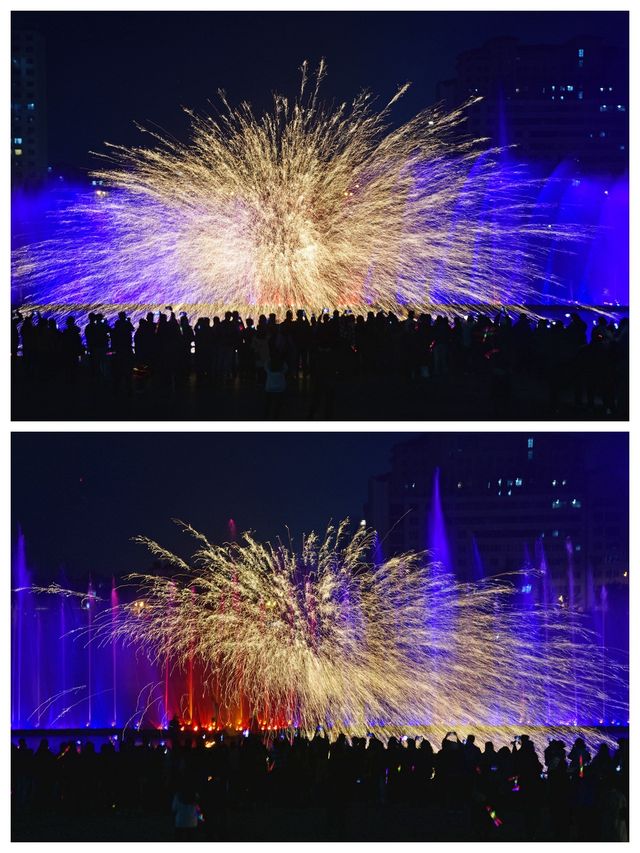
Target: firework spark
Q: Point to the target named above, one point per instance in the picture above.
(326, 637)
(308, 206)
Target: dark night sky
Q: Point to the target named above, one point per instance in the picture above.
(107, 69)
(80, 497)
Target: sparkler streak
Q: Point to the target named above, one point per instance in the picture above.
(304, 207)
(326, 637)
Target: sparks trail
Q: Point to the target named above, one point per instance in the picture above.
(324, 636)
(307, 206)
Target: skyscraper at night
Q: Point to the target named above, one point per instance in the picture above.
(510, 505)
(28, 109)
(555, 102)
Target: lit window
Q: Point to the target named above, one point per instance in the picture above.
(555, 533)
(603, 133)
(17, 152)
(603, 108)
(529, 443)
(569, 88)
(518, 481)
(621, 108)
(17, 140)
(580, 96)
(580, 52)
(31, 105)
(526, 588)
(581, 63)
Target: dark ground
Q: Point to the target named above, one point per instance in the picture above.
(363, 397)
(269, 823)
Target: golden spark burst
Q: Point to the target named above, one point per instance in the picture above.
(328, 637)
(308, 206)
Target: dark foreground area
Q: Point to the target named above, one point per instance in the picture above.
(338, 367)
(208, 788)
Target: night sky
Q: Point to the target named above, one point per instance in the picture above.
(106, 70)
(80, 497)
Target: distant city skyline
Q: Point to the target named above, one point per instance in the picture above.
(107, 70)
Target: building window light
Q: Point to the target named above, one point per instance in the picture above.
(580, 53)
(621, 108)
(17, 152)
(518, 481)
(580, 96)
(569, 88)
(31, 105)
(17, 140)
(603, 108)
(529, 443)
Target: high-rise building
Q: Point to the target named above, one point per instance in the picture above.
(510, 502)
(28, 109)
(566, 102)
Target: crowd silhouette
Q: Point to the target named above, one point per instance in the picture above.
(202, 781)
(580, 368)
